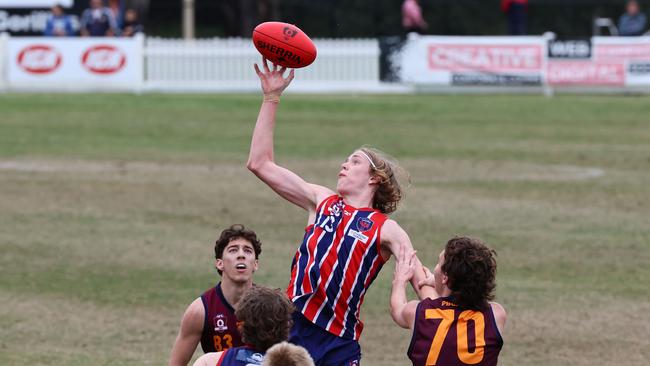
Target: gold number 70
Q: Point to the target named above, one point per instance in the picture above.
(462, 340)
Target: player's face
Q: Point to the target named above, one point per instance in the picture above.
(354, 174)
(238, 261)
(439, 277)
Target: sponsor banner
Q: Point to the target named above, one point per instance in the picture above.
(34, 3)
(621, 48)
(569, 49)
(75, 64)
(474, 61)
(586, 73)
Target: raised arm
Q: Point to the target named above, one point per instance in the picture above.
(261, 160)
(189, 335)
(403, 311)
(393, 239)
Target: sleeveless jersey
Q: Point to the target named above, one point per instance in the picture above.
(446, 335)
(220, 325)
(241, 356)
(338, 260)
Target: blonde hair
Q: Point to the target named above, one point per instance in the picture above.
(389, 189)
(287, 354)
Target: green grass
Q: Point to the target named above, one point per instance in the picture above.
(109, 205)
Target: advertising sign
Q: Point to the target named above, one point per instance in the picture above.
(506, 61)
(75, 64)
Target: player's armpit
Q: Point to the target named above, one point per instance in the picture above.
(289, 185)
(189, 335)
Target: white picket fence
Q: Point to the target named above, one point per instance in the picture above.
(227, 65)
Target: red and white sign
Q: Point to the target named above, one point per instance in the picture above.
(39, 59)
(491, 58)
(473, 60)
(585, 73)
(75, 63)
(103, 59)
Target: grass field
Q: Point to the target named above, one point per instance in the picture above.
(109, 206)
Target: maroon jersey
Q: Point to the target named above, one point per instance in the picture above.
(445, 335)
(220, 326)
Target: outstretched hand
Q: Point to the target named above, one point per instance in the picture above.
(404, 265)
(429, 279)
(273, 80)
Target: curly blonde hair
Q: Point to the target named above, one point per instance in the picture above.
(389, 189)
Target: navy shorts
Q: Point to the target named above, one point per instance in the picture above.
(324, 347)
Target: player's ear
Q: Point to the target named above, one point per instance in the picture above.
(374, 179)
(256, 265)
(445, 280)
(219, 264)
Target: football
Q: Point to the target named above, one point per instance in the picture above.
(284, 44)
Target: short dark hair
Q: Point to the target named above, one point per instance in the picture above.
(265, 317)
(471, 268)
(236, 231)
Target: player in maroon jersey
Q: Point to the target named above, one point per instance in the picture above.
(460, 325)
(265, 319)
(210, 319)
(348, 238)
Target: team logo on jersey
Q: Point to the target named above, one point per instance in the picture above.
(354, 363)
(220, 323)
(364, 224)
(335, 209)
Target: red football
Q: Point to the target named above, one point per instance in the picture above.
(284, 44)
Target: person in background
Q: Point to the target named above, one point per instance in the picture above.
(633, 22)
(412, 20)
(131, 23)
(98, 21)
(59, 24)
(517, 12)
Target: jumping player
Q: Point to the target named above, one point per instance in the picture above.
(347, 241)
(211, 319)
(459, 326)
(264, 320)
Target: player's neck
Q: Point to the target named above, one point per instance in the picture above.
(446, 292)
(359, 200)
(234, 291)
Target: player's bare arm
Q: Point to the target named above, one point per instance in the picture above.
(500, 316)
(261, 160)
(189, 335)
(208, 359)
(403, 311)
(393, 239)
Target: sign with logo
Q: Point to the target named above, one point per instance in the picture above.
(34, 3)
(473, 60)
(75, 63)
(569, 49)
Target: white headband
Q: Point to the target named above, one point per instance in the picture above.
(369, 160)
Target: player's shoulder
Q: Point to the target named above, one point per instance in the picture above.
(500, 314)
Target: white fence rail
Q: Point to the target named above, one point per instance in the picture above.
(227, 65)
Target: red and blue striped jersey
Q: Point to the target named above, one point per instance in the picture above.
(336, 263)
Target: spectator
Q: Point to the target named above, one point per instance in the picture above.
(118, 11)
(517, 12)
(633, 22)
(98, 21)
(412, 20)
(131, 23)
(59, 24)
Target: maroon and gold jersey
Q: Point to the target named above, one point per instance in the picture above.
(445, 335)
(220, 326)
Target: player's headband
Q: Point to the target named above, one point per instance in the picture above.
(369, 160)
